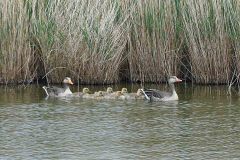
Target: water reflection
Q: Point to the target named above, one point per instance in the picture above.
(203, 124)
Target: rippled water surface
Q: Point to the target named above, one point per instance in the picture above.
(203, 124)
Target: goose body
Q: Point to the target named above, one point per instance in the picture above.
(132, 96)
(137, 95)
(85, 91)
(156, 95)
(57, 91)
(124, 94)
(97, 95)
(108, 92)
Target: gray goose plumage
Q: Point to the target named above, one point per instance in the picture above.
(57, 91)
(157, 95)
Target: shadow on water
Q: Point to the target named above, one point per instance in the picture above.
(203, 124)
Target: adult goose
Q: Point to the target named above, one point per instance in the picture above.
(156, 95)
(59, 92)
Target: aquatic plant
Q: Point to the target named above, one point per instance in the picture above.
(209, 46)
(106, 41)
(154, 40)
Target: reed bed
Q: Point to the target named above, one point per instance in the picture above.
(208, 43)
(153, 41)
(85, 39)
(15, 49)
(106, 41)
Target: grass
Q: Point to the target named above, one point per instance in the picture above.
(107, 41)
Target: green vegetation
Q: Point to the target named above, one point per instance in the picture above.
(106, 41)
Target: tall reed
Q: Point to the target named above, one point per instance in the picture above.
(15, 49)
(231, 12)
(86, 37)
(102, 41)
(154, 40)
(208, 43)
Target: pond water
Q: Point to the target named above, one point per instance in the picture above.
(203, 124)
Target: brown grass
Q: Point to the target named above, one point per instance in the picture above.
(103, 41)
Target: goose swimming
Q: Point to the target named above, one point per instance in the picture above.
(57, 91)
(157, 95)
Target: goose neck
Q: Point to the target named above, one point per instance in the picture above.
(172, 87)
(65, 86)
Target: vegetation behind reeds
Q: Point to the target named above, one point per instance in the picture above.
(106, 41)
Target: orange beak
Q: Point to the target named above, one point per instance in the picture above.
(70, 82)
(179, 80)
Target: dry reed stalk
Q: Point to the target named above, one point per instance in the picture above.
(88, 39)
(96, 40)
(232, 17)
(153, 51)
(15, 50)
(208, 43)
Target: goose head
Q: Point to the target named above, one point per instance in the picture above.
(124, 90)
(67, 80)
(109, 90)
(99, 93)
(85, 90)
(139, 92)
(118, 93)
(173, 79)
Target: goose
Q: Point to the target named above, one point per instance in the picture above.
(96, 95)
(138, 95)
(128, 96)
(85, 91)
(59, 92)
(109, 91)
(114, 95)
(156, 95)
(124, 93)
(124, 90)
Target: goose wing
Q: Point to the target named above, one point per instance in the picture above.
(53, 91)
(156, 93)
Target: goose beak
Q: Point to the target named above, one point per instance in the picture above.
(70, 82)
(178, 80)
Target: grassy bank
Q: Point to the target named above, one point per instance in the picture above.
(108, 41)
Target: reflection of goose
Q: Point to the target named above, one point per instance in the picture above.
(56, 91)
(156, 95)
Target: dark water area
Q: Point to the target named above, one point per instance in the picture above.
(203, 124)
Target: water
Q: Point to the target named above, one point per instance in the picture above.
(203, 124)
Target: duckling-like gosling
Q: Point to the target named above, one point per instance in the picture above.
(85, 91)
(109, 91)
